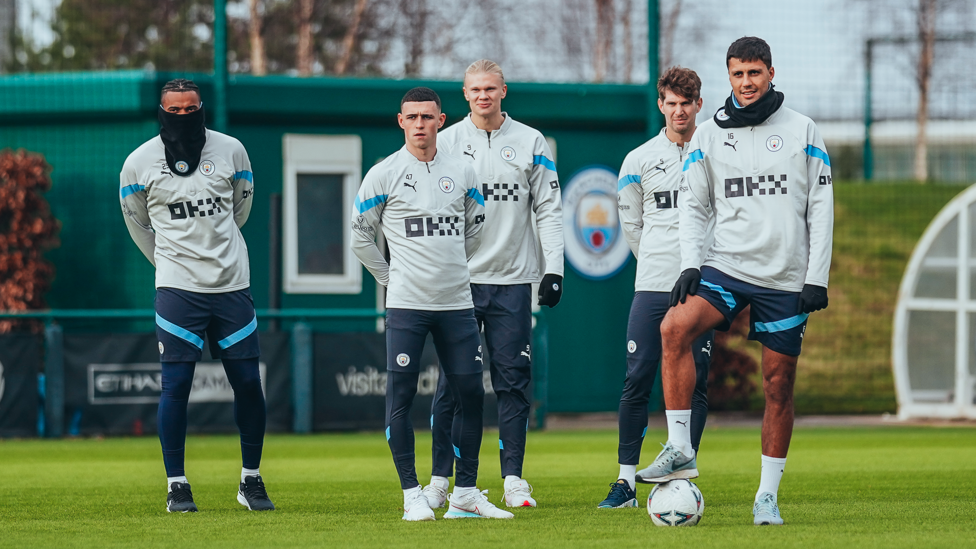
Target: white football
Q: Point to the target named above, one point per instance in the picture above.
(675, 503)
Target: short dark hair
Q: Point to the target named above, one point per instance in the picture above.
(420, 95)
(179, 85)
(680, 81)
(750, 48)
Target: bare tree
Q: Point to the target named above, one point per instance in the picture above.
(259, 59)
(626, 7)
(669, 32)
(926, 15)
(303, 51)
(604, 39)
(416, 14)
(349, 41)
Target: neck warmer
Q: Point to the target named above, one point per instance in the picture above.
(184, 136)
(731, 116)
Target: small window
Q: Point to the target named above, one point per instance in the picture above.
(322, 175)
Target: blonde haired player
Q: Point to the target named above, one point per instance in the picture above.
(518, 179)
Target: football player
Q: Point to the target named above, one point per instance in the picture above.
(185, 194)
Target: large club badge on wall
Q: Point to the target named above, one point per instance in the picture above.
(595, 247)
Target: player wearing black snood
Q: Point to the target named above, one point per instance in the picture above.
(185, 194)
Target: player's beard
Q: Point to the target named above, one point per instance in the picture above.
(184, 136)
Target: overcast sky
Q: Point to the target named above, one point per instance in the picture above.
(818, 48)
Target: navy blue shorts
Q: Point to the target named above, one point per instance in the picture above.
(183, 318)
(773, 320)
(456, 339)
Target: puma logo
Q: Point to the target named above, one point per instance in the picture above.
(479, 359)
(732, 145)
(684, 423)
(471, 154)
(414, 186)
(525, 354)
(707, 349)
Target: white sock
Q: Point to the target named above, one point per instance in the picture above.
(772, 473)
(679, 430)
(510, 480)
(171, 480)
(628, 472)
(410, 493)
(248, 473)
(440, 482)
(462, 491)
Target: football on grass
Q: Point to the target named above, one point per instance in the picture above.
(675, 503)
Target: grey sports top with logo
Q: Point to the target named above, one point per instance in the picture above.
(431, 214)
(189, 227)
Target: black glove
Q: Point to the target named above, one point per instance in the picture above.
(812, 298)
(686, 285)
(550, 290)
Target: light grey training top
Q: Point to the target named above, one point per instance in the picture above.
(431, 214)
(647, 200)
(770, 190)
(517, 179)
(189, 227)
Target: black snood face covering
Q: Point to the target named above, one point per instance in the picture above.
(184, 136)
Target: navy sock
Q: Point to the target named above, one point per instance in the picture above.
(249, 407)
(177, 380)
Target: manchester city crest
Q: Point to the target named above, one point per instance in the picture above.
(207, 167)
(182, 166)
(774, 143)
(591, 229)
(446, 184)
(403, 359)
(508, 153)
(720, 115)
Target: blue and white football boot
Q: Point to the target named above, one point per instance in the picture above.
(670, 464)
(765, 512)
(621, 495)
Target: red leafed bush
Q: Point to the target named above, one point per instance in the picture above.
(731, 381)
(27, 229)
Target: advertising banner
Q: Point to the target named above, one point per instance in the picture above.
(350, 383)
(20, 361)
(113, 383)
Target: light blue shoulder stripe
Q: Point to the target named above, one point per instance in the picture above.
(476, 195)
(627, 180)
(817, 153)
(365, 206)
(244, 174)
(541, 160)
(179, 332)
(239, 334)
(781, 325)
(132, 189)
(695, 156)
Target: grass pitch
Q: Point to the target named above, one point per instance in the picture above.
(852, 487)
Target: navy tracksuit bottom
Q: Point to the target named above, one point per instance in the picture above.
(504, 311)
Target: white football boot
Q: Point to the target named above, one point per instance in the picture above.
(518, 494)
(472, 503)
(436, 493)
(415, 506)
